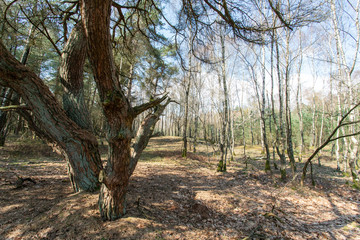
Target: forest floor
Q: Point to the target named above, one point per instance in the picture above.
(171, 197)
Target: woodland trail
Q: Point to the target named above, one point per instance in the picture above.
(174, 198)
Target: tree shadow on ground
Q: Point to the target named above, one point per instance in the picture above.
(186, 200)
(177, 204)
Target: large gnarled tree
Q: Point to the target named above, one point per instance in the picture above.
(71, 133)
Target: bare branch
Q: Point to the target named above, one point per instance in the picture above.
(14, 107)
(143, 107)
(279, 15)
(330, 139)
(44, 32)
(144, 133)
(344, 136)
(5, 15)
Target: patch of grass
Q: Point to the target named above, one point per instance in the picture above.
(151, 158)
(351, 226)
(356, 186)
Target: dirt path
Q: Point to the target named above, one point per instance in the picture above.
(173, 198)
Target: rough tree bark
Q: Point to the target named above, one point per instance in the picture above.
(116, 108)
(78, 145)
(71, 77)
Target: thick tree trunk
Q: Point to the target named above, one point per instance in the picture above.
(79, 146)
(116, 179)
(116, 108)
(71, 77)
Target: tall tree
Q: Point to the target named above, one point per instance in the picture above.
(78, 144)
(289, 139)
(224, 143)
(346, 70)
(281, 133)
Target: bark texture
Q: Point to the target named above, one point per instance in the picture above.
(116, 108)
(79, 146)
(71, 77)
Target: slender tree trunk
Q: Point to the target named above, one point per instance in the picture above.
(282, 138)
(19, 126)
(242, 119)
(13, 97)
(243, 132)
(348, 72)
(290, 150)
(224, 144)
(276, 142)
(339, 111)
(345, 151)
(251, 130)
(321, 126)
(187, 85)
(334, 145)
(4, 115)
(313, 128)
(263, 117)
(299, 104)
(231, 135)
(196, 123)
(185, 123)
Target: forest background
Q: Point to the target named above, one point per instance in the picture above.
(280, 74)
